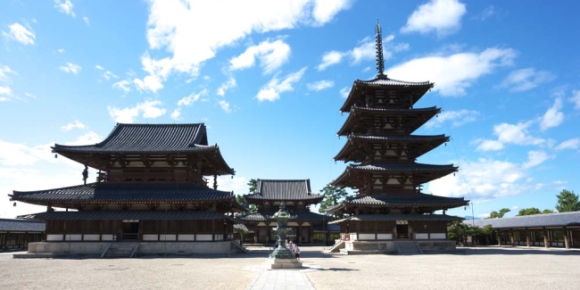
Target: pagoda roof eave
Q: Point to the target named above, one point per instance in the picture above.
(301, 216)
(355, 112)
(356, 138)
(418, 200)
(406, 168)
(386, 83)
(395, 217)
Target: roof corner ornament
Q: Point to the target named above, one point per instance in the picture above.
(379, 47)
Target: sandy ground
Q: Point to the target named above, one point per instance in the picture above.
(487, 268)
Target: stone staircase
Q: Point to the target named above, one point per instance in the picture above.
(120, 250)
(239, 248)
(337, 247)
(407, 248)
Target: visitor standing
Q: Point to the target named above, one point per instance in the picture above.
(297, 252)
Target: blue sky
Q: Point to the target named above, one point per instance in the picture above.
(268, 78)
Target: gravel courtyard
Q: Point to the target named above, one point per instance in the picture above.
(483, 268)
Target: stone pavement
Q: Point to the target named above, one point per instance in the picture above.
(281, 280)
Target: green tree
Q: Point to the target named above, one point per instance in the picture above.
(529, 211)
(332, 196)
(567, 201)
(241, 200)
(547, 211)
(457, 230)
(494, 214)
(252, 185)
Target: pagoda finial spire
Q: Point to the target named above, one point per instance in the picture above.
(379, 46)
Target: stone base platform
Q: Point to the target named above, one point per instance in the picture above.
(285, 264)
(389, 247)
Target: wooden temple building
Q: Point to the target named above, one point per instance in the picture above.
(151, 195)
(389, 206)
(307, 227)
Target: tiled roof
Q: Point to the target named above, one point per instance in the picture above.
(396, 217)
(277, 190)
(414, 118)
(11, 225)
(130, 192)
(531, 221)
(127, 215)
(405, 200)
(300, 216)
(385, 81)
(402, 138)
(404, 167)
(148, 138)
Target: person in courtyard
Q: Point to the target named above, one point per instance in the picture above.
(290, 247)
(297, 252)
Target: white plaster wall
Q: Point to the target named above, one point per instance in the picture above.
(201, 237)
(353, 237)
(73, 237)
(167, 237)
(91, 237)
(419, 236)
(366, 237)
(384, 236)
(150, 237)
(185, 237)
(145, 248)
(107, 237)
(52, 238)
(438, 236)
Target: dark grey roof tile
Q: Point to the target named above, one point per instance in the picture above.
(12, 225)
(530, 221)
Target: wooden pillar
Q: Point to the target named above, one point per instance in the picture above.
(213, 230)
(498, 237)
(566, 239)
(512, 237)
(527, 238)
(546, 242)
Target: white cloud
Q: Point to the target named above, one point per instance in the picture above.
(526, 79)
(320, 85)
(86, 19)
(75, 125)
(192, 98)
(71, 68)
(225, 106)
(99, 67)
(453, 74)
(122, 85)
(61, 50)
(457, 118)
(330, 58)
(364, 51)
(176, 114)
(272, 90)
(149, 109)
(5, 71)
(237, 184)
(569, 144)
(325, 10)
(484, 179)
(440, 16)
(510, 134)
(535, 158)
(344, 92)
(272, 55)
(88, 138)
(109, 75)
(230, 83)
(190, 33)
(486, 13)
(575, 99)
(65, 7)
(490, 145)
(553, 116)
(5, 91)
(20, 34)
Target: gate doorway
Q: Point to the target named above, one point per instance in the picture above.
(130, 230)
(402, 231)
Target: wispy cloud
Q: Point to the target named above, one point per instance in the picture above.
(569, 144)
(71, 68)
(229, 84)
(225, 106)
(509, 134)
(320, 85)
(526, 79)
(272, 55)
(20, 34)
(191, 98)
(553, 116)
(575, 99)
(123, 85)
(440, 16)
(272, 90)
(75, 125)
(456, 118)
(65, 7)
(148, 109)
(344, 92)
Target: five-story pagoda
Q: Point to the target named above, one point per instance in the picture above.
(389, 205)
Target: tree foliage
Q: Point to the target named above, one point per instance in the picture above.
(252, 189)
(459, 231)
(547, 211)
(332, 196)
(567, 201)
(495, 214)
(252, 185)
(533, 211)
